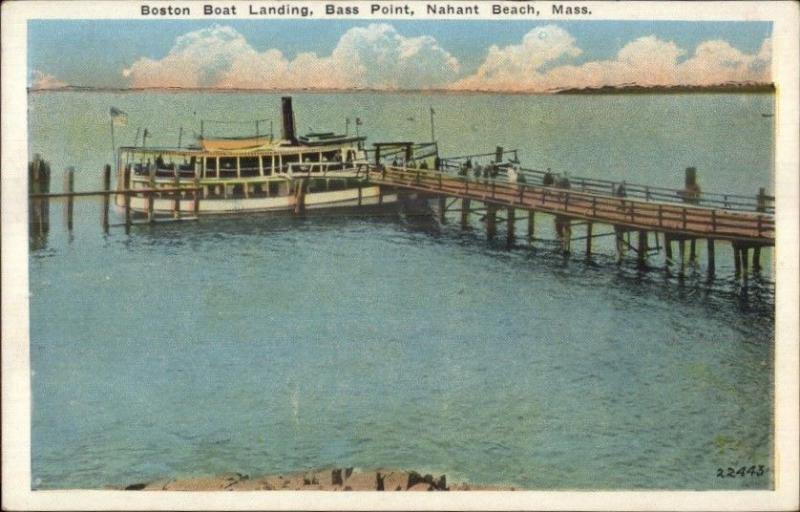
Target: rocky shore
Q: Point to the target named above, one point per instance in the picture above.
(335, 479)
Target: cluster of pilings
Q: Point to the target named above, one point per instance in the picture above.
(39, 209)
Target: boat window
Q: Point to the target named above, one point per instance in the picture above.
(311, 157)
(289, 159)
(266, 161)
(249, 165)
(227, 167)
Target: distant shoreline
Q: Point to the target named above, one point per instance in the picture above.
(737, 87)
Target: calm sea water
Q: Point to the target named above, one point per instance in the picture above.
(265, 344)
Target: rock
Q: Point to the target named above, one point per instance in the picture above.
(366, 481)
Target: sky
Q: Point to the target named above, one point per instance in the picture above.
(514, 56)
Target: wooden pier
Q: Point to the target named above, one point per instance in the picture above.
(643, 220)
(678, 216)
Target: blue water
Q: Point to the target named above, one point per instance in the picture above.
(265, 344)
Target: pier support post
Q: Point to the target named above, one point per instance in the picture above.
(465, 205)
(692, 251)
(69, 187)
(300, 197)
(737, 260)
(756, 259)
(151, 216)
(682, 251)
(442, 209)
(619, 236)
(196, 196)
(510, 220)
(39, 209)
(531, 226)
(642, 249)
(711, 262)
(107, 197)
(745, 254)
(176, 205)
(126, 185)
(564, 232)
(668, 248)
(491, 221)
(588, 240)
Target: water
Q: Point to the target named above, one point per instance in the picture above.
(265, 344)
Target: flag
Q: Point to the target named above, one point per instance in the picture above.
(118, 117)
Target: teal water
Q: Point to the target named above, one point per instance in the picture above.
(265, 344)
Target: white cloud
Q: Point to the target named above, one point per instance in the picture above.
(644, 61)
(376, 56)
(42, 80)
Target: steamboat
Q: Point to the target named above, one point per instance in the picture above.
(255, 173)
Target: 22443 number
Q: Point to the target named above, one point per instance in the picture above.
(740, 472)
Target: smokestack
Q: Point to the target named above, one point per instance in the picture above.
(288, 119)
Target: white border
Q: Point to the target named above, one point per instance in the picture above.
(16, 468)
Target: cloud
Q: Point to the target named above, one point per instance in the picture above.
(378, 56)
(41, 80)
(375, 56)
(537, 64)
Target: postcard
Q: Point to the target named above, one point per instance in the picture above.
(301, 255)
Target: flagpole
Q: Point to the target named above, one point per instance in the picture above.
(433, 132)
(114, 147)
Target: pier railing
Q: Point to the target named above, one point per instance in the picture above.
(485, 164)
(687, 218)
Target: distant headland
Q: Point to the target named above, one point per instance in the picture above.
(727, 87)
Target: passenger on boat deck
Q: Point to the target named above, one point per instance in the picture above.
(478, 171)
(621, 192)
(394, 162)
(424, 165)
(159, 161)
(548, 179)
(564, 182)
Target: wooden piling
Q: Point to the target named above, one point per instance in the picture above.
(642, 249)
(737, 260)
(745, 255)
(710, 251)
(588, 239)
(564, 232)
(69, 187)
(491, 221)
(757, 259)
(692, 251)
(510, 220)
(619, 236)
(176, 205)
(668, 248)
(682, 251)
(39, 209)
(531, 226)
(151, 214)
(465, 205)
(106, 198)
(300, 197)
(196, 196)
(442, 208)
(127, 198)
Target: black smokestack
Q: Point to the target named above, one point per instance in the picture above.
(288, 119)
